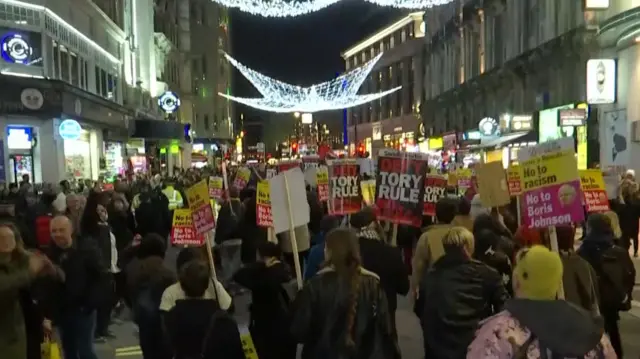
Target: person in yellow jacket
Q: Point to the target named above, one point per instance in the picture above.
(429, 248)
(174, 197)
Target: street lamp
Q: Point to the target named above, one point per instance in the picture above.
(296, 114)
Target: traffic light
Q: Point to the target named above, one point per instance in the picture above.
(294, 148)
(360, 151)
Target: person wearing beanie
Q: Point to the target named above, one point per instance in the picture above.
(616, 274)
(536, 321)
(381, 258)
(455, 296)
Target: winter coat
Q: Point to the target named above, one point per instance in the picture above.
(14, 276)
(535, 325)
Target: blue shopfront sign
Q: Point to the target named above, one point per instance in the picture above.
(69, 130)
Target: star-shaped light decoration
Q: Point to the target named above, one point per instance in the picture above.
(281, 97)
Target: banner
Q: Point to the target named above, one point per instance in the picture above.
(216, 190)
(310, 162)
(263, 205)
(182, 231)
(322, 180)
(271, 172)
(344, 187)
(594, 191)
(242, 178)
(435, 187)
(287, 165)
(201, 212)
(513, 180)
(550, 184)
(399, 196)
(463, 175)
(492, 184)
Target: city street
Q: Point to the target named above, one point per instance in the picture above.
(125, 345)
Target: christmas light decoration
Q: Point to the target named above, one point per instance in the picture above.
(280, 8)
(281, 97)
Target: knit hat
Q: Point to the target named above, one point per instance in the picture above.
(538, 273)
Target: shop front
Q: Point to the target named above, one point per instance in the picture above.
(164, 143)
(571, 120)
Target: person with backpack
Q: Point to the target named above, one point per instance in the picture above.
(615, 274)
(147, 278)
(271, 284)
(44, 214)
(228, 235)
(535, 324)
(198, 328)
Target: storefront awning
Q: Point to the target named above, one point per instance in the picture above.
(158, 130)
(500, 141)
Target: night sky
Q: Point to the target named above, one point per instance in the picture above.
(302, 50)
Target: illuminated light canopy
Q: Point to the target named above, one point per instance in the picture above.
(281, 97)
(280, 8)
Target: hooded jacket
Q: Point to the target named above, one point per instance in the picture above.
(531, 328)
(428, 250)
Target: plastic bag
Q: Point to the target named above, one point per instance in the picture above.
(50, 349)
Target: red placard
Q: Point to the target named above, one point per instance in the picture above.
(323, 192)
(435, 187)
(400, 186)
(287, 165)
(201, 211)
(344, 187)
(182, 231)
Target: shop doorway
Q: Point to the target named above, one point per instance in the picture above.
(20, 165)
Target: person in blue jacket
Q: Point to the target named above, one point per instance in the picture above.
(316, 254)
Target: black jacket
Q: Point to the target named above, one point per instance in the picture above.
(386, 261)
(267, 314)
(455, 295)
(189, 327)
(319, 319)
(81, 289)
(229, 220)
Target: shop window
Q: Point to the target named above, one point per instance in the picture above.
(56, 60)
(112, 87)
(74, 69)
(103, 83)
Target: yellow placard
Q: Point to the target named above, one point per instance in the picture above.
(548, 170)
(182, 218)
(263, 195)
(198, 195)
(368, 190)
(322, 176)
(244, 173)
(591, 180)
(513, 180)
(215, 182)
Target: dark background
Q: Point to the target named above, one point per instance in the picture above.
(302, 50)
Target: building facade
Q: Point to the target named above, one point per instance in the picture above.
(492, 61)
(62, 111)
(394, 120)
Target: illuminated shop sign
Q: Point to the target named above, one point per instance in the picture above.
(601, 81)
(488, 127)
(169, 102)
(70, 130)
(20, 47)
(572, 117)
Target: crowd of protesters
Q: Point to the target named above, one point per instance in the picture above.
(482, 286)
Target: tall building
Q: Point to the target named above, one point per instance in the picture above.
(211, 71)
(533, 71)
(392, 121)
(76, 80)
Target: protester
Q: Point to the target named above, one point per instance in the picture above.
(615, 272)
(72, 300)
(147, 279)
(455, 295)
(17, 269)
(429, 248)
(579, 280)
(270, 306)
(381, 258)
(535, 322)
(196, 325)
(343, 284)
(174, 292)
(485, 250)
(315, 259)
(463, 217)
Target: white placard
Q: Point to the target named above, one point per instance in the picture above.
(563, 144)
(601, 81)
(298, 196)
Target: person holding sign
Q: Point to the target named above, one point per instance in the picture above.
(535, 317)
(343, 284)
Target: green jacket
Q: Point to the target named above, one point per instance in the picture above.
(14, 275)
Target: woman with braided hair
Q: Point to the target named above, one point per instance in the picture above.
(342, 312)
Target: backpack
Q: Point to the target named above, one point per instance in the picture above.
(614, 281)
(522, 352)
(287, 294)
(205, 339)
(146, 306)
(43, 230)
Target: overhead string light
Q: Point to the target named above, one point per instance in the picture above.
(280, 8)
(281, 97)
